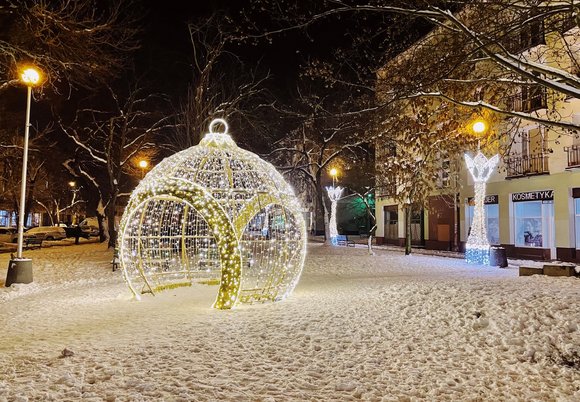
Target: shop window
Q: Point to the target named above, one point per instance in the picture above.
(577, 221)
(532, 223)
(492, 221)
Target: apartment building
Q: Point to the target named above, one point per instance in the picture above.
(533, 198)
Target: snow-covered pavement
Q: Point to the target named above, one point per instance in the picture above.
(357, 327)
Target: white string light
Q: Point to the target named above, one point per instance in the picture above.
(477, 246)
(334, 194)
(214, 214)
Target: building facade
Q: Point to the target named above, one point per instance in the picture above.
(533, 197)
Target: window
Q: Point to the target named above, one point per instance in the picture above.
(533, 220)
(491, 218)
(391, 222)
(417, 226)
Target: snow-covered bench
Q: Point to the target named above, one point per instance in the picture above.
(33, 242)
(342, 240)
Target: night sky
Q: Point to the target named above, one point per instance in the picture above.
(166, 51)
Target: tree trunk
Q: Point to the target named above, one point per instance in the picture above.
(323, 208)
(408, 214)
(100, 218)
(110, 211)
(370, 239)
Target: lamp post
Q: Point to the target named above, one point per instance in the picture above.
(333, 173)
(479, 127)
(20, 268)
(143, 165)
(477, 247)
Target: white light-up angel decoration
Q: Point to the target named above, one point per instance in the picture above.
(334, 194)
(477, 247)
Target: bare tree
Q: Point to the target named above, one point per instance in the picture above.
(221, 86)
(421, 137)
(466, 33)
(11, 161)
(108, 133)
(323, 138)
(75, 42)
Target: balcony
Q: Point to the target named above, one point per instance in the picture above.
(385, 190)
(526, 165)
(573, 156)
(529, 100)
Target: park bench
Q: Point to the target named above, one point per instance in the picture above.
(342, 240)
(33, 242)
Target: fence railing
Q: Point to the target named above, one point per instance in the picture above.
(530, 99)
(573, 155)
(527, 165)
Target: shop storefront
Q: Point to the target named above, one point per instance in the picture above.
(533, 223)
(576, 198)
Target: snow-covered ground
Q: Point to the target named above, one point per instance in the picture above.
(388, 327)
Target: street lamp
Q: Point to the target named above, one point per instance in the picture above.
(143, 165)
(333, 173)
(479, 126)
(20, 269)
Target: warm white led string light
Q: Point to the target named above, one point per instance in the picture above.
(334, 194)
(214, 214)
(477, 246)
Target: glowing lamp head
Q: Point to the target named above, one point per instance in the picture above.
(30, 76)
(72, 183)
(143, 164)
(479, 127)
(333, 172)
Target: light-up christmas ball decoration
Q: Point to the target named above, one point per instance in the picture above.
(214, 214)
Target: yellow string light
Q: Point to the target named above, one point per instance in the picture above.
(214, 212)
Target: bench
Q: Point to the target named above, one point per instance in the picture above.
(32, 242)
(342, 240)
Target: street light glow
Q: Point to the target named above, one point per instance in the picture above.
(72, 183)
(333, 172)
(143, 164)
(30, 76)
(479, 127)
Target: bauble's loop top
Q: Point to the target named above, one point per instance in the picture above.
(216, 138)
(214, 122)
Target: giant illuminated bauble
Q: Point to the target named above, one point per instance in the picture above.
(214, 214)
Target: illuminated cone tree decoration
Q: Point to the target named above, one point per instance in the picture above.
(214, 214)
(334, 194)
(477, 247)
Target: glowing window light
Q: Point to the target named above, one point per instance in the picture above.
(334, 193)
(477, 246)
(214, 214)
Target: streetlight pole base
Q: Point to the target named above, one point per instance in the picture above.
(19, 271)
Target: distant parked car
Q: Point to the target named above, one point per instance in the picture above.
(8, 235)
(46, 233)
(90, 226)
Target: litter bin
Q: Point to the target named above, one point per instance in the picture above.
(497, 257)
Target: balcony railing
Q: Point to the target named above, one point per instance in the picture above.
(386, 190)
(529, 100)
(573, 155)
(527, 165)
